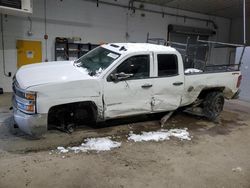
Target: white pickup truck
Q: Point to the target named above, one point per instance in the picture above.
(112, 81)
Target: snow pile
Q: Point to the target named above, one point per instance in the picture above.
(191, 70)
(161, 135)
(92, 144)
(106, 144)
(182, 134)
(149, 136)
(62, 149)
(83, 70)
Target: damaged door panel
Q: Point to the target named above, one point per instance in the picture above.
(128, 90)
(127, 98)
(169, 85)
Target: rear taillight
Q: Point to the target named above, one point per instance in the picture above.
(239, 81)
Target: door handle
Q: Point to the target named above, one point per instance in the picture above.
(146, 85)
(177, 83)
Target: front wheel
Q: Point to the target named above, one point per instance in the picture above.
(213, 105)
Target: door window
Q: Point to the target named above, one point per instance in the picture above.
(136, 66)
(167, 65)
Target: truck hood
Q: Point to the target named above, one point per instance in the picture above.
(50, 72)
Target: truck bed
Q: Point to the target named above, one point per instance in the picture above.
(195, 83)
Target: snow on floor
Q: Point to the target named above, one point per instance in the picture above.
(161, 135)
(92, 144)
(62, 149)
(106, 144)
(149, 136)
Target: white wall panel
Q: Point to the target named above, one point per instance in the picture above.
(93, 24)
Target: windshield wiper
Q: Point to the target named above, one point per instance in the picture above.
(92, 73)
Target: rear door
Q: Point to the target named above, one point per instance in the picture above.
(169, 83)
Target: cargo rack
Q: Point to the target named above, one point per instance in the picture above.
(189, 53)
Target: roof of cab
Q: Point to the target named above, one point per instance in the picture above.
(137, 47)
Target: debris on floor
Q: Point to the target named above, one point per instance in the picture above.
(237, 169)
(165, 118)
(92, 144)
(161, 135)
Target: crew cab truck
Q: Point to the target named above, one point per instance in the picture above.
(112, 81)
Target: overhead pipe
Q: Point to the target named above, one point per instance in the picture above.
(45, 30)
(3, 49)
(29, 33)
(244, 33)
(244, 22)
(156, 12)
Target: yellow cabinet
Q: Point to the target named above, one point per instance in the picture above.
(28, 52)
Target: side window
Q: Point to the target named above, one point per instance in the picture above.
(137, 66)
(167, 65)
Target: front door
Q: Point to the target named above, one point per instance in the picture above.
(131, 95)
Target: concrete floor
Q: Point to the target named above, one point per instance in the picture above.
(217, 155)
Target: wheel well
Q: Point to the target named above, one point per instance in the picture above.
(79, 113)
(205, 91)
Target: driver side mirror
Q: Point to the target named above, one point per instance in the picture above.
(113, 78)
(120, 76)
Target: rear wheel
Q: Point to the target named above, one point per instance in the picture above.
(213, 105)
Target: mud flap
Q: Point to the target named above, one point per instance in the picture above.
(236, 95)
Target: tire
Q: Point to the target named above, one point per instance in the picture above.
(213, 105)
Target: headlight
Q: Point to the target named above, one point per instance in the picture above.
(27, 108)
(25, 101)
(30, 95)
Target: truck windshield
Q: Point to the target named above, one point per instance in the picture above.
(97, 60)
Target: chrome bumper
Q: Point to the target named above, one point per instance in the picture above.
(35, 124)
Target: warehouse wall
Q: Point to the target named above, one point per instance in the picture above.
(93, 24)
(245, 86)
(236, 35)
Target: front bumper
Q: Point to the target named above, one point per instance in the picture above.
(35, 124)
